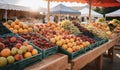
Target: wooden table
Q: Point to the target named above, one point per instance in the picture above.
(83, 60)
(54, 62)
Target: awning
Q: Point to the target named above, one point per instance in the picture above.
(62, 9)
(114, 14)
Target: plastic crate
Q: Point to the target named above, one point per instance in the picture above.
(88, 48)
(4, 30)
(20, 65)
(72, 55)
(49, 51)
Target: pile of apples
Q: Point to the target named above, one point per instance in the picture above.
(70, 43)
(13, 49)
(38, 40)
(51, 30)
(18, 27)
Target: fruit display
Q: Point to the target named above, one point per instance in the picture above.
(38, 40)
(13, 49)
(86, 38)
(96, 31)
(83, 29)
(115, 25)
(51, 30)
(67, 24)
(18, 27)
(70, 43)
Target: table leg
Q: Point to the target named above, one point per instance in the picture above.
(99, 63)
(111, 53)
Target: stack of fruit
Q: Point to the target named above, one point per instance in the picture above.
(18, 27)
(116, 24)
(82, 29)
(86, 38)
(96, 31)
(51, 30)
(67, 24)
(14, 49)
(70, 43)
(38, 40)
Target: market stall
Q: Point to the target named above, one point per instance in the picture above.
(56, 46)
(85, 13)
(63, 10)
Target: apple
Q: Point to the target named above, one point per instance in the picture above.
(18, 45)
(18, 57)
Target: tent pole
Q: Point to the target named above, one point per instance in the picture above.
(48, 14)
(90, 2)
(6, 15)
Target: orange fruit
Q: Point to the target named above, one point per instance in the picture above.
(16, 27)
(25, 31)
(17, 21)
(13, 24)
(30, 29)
(5, 52)
(20, 24)
(21, 31)
(70, 50)
(25, 26)
(15, 31)
(34, 52)
(27, 55)
(64, 46)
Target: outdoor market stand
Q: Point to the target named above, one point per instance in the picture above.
(60, 61)
(83, 60)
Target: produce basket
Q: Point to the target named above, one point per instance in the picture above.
(46, 52)
(72, 55)
(21, 64)
(49, 51)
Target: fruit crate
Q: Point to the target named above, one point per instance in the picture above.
(72, 55)
(49, 51)
(4, 30)
(88, 48)
(46, 52)
(20, 65)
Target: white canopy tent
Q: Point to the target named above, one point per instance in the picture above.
(114, 14)
(85, 13)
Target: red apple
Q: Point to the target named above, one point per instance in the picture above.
(18, 57)
(18, 45)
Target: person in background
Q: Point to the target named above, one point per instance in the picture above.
(51, 18)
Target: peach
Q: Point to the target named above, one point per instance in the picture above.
(27, 55)
(5, 52)
(34, 52)
(13, 39)
(29, 48)
(25, 43)
(18, 57)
